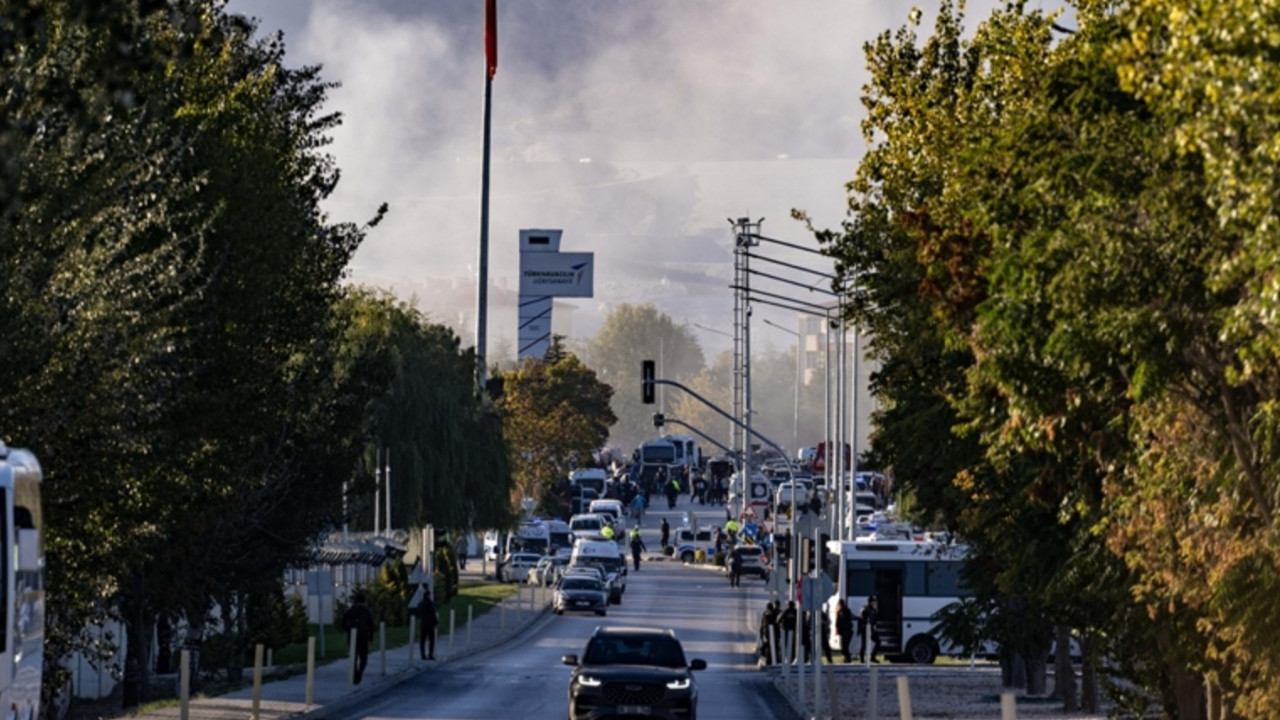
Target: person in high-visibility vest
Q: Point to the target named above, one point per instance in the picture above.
(607, 532)
(637, 546)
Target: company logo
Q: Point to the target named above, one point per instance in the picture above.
(578, 271)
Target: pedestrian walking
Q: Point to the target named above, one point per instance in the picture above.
(359, 617)
(844, 629)
(428, 620)
(463, 548)
(824, 634)
(735, 569)
(666, 533)
(867, 619)
(637, 546)
(769, 632)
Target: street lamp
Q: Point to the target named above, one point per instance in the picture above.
(795, 424)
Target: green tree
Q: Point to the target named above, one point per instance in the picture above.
(555, 415)
(632, 333)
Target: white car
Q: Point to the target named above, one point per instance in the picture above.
(516, 566)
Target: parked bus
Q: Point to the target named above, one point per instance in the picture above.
(686, 451)
(912, 580)
(22, 567)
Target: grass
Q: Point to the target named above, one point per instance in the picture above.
(480, 596)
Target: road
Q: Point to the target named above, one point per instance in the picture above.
(526, 679)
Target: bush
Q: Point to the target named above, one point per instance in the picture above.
(669, 550)
(719, 559)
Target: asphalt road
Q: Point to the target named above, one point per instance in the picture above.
(526, 679)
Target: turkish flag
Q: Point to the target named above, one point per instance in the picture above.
(491, 35)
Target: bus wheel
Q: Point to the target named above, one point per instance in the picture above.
(922, 650)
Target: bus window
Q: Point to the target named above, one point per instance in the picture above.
(913, 583)
(944, 579)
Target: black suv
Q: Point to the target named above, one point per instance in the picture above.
(633, 671)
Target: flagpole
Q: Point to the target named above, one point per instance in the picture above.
(482, 296)
(482, 302)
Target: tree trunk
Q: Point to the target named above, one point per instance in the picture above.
(1188, 694)
(139, 624)
(1064, 674)
(1037, 672)
(1092, 698)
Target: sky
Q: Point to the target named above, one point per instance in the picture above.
(638, 128)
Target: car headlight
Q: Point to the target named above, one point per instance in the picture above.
(680, 684)
(589, 681)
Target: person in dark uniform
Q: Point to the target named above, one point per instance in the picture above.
(788, 623)
(359, 617)
(844, 629)
(735, 569)
(665, 538)
(867, 628)
(428, 620)
(769, 632)
(637, 546)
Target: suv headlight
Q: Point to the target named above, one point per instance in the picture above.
(589, 681)
(680, 684)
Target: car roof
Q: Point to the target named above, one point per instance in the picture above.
(633, 630)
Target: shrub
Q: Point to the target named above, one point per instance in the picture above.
(669, 550)
(719, 559)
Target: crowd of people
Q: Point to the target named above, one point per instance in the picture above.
(778, 626)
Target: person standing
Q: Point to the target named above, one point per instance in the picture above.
(637, 546)
(359, 617)
(735, 569)
(769, 632)
(867, 628)
(824, 634)
(665, 540)
(637, 508)
(844, 629)
(788, 622)
(428, 620)
(463, 547)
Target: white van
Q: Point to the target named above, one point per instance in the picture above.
(606, 554)
(587, 525)
(608, 506)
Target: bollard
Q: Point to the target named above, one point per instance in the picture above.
(257, 681)
(773, 645)
(382, 645)
(184, 685)
(1008, 707)
(831, 693)
(904, 698)
(451, 616)
(469, 616)
(873, 700)
(413, 621)
(311, 671)
(351, 658)
(271, 658)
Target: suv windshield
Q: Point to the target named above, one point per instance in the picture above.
(657, 650)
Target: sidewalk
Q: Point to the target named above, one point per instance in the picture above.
(333, 692)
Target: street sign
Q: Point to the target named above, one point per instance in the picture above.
(816, 591)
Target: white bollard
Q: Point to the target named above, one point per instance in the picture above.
(1008, 707)
(311, 671)
(257, 681)
(351, 658)
(382, 645)
(904, 698)
(469, 618)
(451, 624)
(873, 700)
(184, 685)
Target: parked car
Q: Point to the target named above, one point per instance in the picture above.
(632, 671)
(515, 566)
(581, 593)
(754, 560)
(548, 570)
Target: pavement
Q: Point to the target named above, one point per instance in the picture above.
(333, 692)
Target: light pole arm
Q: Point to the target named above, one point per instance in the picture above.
(790, 470)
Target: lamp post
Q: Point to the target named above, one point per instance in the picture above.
(795, 422)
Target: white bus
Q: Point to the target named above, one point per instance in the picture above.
(911, 580)
(22, 569)
(686, 450)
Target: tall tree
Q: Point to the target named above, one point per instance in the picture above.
(632, 333)
(556, 414)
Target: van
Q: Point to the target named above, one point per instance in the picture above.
(587, 525)
(606, 554)
(610, 507)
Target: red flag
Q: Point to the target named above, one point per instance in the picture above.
(491, 35)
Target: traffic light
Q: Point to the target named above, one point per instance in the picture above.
(647, 374)
(783, 543)
(658, 420)
(807, 558)
(823, 552)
